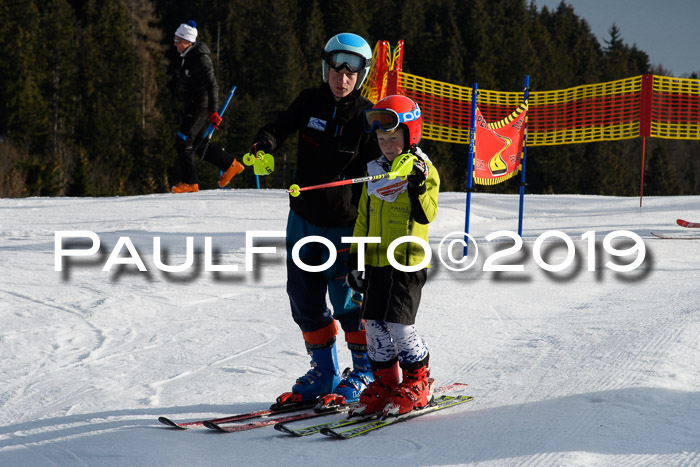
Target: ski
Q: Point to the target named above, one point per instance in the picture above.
(239, 417)
(271, 421)
(673, 237)
(442, 402)
(309, 430)
(692, 225)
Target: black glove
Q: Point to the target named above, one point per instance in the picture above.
(355, 281)
(416, 180)
(354, 278)
(264, 145)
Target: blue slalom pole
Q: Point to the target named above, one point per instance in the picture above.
(470, 167)
(526, 96)
(222, 110)
(206, 137)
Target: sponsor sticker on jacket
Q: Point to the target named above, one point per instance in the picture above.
(317, 124)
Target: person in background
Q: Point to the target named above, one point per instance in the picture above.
(328, 121)
(199, 93)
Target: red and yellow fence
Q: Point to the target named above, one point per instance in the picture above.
(641, 106)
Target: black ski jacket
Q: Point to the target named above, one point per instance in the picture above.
(198, 87)
(332, 146)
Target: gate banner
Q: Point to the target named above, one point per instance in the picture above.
(498, 147)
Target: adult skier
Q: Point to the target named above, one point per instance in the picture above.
(199, 93)
(328, 121)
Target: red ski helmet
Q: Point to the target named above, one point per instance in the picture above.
(392, 111)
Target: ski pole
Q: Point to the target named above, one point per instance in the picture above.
(403, 167)
(210, 129)
(263, 163)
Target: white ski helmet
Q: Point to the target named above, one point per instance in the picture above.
(347, 50)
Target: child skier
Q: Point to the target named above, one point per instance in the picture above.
(389, 209)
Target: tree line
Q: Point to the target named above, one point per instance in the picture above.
(88, 102)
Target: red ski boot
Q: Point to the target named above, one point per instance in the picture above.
(414, 392)
(376, 395)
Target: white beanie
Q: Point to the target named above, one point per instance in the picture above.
(187, 31)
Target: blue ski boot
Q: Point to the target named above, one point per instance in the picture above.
(353, 381)
(320, 380)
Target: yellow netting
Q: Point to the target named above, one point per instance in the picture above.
(599, 112)
(645, 105)
(445, 108)
(675, 109)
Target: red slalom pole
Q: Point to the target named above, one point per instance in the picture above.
(402, 165)
(295, 190)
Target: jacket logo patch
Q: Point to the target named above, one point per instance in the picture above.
(317, 124)
(392, 189)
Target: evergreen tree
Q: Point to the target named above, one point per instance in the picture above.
(89, 104)
(12, 171)
(109, 95)
(81, 183)
(479, 62)
(622, 61)
(353, 16)
(313, 38)
(153, 159)
(58, 32)
(660, 177)
(577, 52)
(27, 109)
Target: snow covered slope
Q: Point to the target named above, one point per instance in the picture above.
(574, 367)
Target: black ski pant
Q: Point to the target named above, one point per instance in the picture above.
(189, 137)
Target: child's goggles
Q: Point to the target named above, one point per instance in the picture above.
(387, 119)
(339, 60)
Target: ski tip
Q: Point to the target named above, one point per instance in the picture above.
(170, 423)
(674, 237)
(282, 428)
(289, 406)
(213, 426)
(331, 433)
(450, 387)
(684, 223)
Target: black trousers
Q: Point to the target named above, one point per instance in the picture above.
(392, 295)
(190, 146)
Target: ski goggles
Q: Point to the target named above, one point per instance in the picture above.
(352, 62)
(388, 119)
